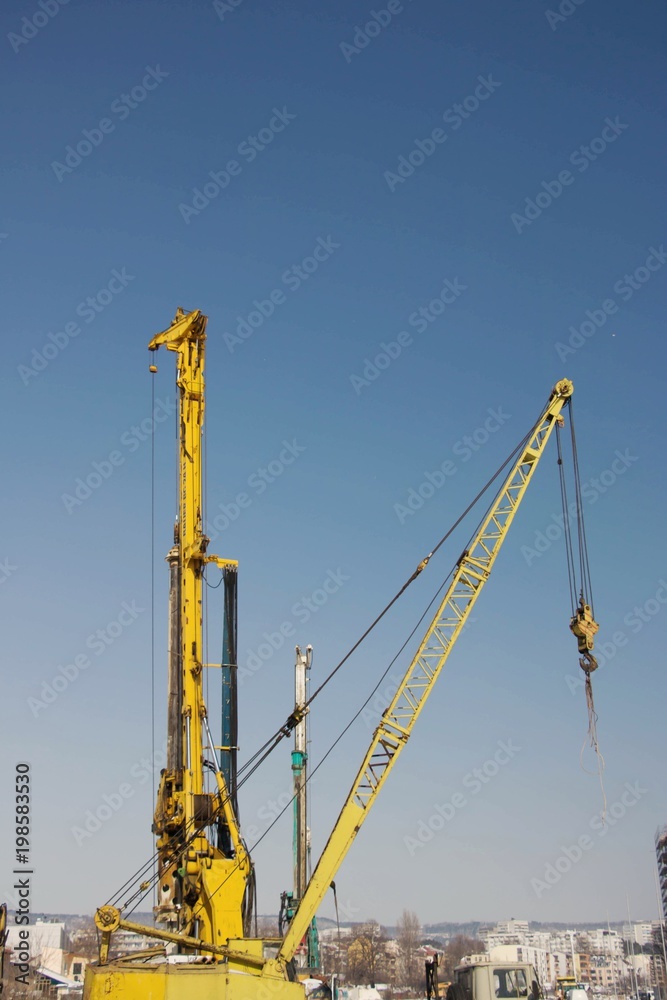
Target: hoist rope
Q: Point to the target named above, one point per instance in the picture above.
(153, 586)
(203, 459)
(584, 565)
(583, 588)
(567, 533)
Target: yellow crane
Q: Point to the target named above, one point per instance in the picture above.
(206, 950)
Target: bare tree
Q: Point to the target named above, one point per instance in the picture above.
(367, 955)
(456, 949)
(267, 927)
(25, 986)
(408, 934)
(84, 942)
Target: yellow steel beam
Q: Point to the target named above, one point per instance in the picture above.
(398, 720)
(213, 886)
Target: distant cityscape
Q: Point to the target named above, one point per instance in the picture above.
(619, 960)
(616, 960)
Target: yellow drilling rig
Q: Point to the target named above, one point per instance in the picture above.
(204, 878)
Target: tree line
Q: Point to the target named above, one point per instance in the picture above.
(370, 957)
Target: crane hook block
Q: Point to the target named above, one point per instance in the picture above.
(584, 626)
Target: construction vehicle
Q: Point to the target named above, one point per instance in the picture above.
(483, 979)
(565, 984)
(204, 876)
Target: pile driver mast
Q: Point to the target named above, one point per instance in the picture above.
(203, 888)
(192, 871)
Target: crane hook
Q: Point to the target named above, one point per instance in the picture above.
(584, 626)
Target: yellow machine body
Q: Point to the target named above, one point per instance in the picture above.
(209, 981)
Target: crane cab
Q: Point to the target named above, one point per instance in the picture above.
(483, 979)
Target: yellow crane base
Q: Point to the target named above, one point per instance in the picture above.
(185, 981)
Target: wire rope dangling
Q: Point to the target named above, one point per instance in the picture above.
(584, 626)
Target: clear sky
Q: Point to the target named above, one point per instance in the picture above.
(313, 177)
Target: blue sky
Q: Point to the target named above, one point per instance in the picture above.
(500, 161)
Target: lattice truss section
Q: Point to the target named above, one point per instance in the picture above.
(471, 574)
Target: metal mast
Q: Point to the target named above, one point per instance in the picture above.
(299, 763)
(201, 888)
(308, 951)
